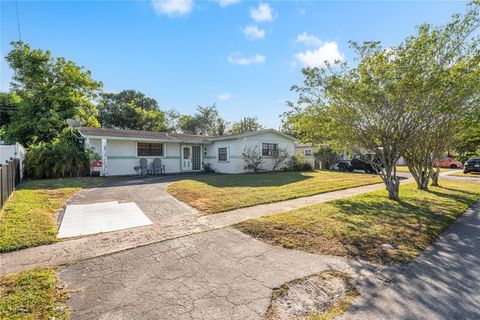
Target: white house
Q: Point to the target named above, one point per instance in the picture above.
(121, 150)
(307, 151)
(12, 151)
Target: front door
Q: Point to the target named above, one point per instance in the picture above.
(187, 158)
(196, 158)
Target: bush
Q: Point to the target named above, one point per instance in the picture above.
(253, 159)
(207, 168)
(298, 163)
(66, 156)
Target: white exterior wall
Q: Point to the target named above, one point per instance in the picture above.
(12, 151)
(301, 151)
(237, 146)
(122, 156)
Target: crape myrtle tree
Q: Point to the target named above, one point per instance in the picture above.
(358, 109)
(50, 90)
(444, 66)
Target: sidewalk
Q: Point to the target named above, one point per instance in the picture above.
(442, 283)
(174, 227)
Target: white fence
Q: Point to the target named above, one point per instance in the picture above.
(12, 151)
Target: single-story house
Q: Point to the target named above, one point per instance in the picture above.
(121, 150)
(307, 151)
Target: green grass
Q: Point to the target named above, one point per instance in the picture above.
(28, 217)
(358, 226)
(405, 169)
(218, 193)
(468, 175)
(32, 295)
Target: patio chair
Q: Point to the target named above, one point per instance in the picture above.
(143, 167)
(157, 166)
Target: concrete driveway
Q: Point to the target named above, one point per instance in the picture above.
(219, 274)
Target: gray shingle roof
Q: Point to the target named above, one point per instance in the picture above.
(122, 133)
(174, 137)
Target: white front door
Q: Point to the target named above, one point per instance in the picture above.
(186, 158)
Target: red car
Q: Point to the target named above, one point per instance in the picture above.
(447, 162)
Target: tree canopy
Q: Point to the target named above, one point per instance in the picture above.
(402, 100)
(247, 124)
(130, 109)
(51, 90)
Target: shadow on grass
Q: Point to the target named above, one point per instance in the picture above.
(411, 225)
(267, 179)
(443, 283)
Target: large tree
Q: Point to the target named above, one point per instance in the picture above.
(51, 90)
(247, 124)
(205, 121)
(444, 74)
(358, 109)
(130, 109)
(8, 105)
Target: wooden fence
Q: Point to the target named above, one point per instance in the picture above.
(9, 178)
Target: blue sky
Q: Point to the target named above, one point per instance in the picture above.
(244, 55)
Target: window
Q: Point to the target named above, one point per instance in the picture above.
(269, 149)
(307, 152)
(223, 154)
(149, 149)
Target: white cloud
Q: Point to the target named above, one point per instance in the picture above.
(237, 58)
(253, 32)
(308, 39)
(262, 13)
(173, 8)
(328, 51)
(225, 96)
(225, 3)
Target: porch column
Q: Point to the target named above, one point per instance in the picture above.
(104, 157)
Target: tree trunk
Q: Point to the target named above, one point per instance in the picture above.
(435, 177)
(392, 184)
(422, 183)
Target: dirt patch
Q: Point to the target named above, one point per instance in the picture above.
(319, 296)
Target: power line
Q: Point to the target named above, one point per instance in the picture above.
(18, 22)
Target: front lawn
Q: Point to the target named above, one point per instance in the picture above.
(359, 225)
(28, 217)
(218, 193)
(405, 169)
(34, 294)
(466, 175)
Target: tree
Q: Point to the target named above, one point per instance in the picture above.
(357, 109)
(247, 124)
(8, 105)
(253, 159)
(132, 110)
(444, 72)
(51, 90)
(206, 121)
(188, 124)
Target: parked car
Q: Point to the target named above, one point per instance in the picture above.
(472, 165)
(357, 163)
(448, 162)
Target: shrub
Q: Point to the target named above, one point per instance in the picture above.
(66, 156)
(253, 159)
(298, 163)
(207, 168)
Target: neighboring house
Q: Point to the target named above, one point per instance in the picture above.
(121, 150)
(307, 151)
(12, 151)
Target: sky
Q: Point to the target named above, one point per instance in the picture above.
(242, 55)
